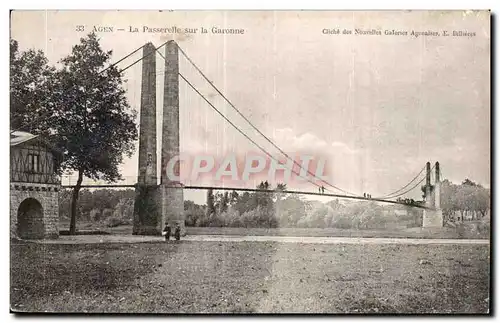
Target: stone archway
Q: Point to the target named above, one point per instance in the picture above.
(30, 219)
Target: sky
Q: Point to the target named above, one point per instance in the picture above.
(377, 107)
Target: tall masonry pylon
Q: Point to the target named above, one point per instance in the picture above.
(433, 216)
(146, 210)
(147, 131)
(172, 202)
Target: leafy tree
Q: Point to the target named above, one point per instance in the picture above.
(194, 213)
(467, 197)
(468, 182)
(233, 199)
(221, 202)
(473, 199)
(263, 199)
(319, 217)
(244, 203)
(91, 118)
(31, 84)
(448, 203)
(335, 204)
(225, 202)
(293, 208)
(371, 217)
(95, 205)
(232, 218)
(280, 188)
(483, 201)
(64, 203)
(210, 202)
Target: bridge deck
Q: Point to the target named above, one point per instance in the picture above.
(192, 187)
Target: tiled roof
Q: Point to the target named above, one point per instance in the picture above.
(18, 137)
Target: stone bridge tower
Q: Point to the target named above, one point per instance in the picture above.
(433, 215)
(146, 210)
(155, 205)
(172, 205)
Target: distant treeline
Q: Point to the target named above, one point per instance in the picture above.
(467, 201)
(274, 208)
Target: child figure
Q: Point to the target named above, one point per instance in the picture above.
(177, 232)
(166, 232)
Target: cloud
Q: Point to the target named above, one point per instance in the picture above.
(342, 160)
(288, 140)
(345, 148)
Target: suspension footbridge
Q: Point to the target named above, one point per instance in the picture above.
(159, 199)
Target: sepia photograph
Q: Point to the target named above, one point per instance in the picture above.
(250, 162)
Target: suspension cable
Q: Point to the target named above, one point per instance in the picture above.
(408, 190)
(236, 127)
(402, 188)
(403, 193)
(252, 125)
(239, 130)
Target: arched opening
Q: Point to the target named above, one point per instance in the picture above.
(30, 219)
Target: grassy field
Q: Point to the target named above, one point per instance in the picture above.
(249, 277)
(445, 233)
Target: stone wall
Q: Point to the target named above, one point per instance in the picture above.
(432, 218)
(47, 195)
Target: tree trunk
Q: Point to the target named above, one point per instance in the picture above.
(74, 202)
(277, 209)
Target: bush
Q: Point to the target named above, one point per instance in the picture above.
(194, 213)
(484, 227)
(302, 223)
(95, 214)
(320, 217)
(249, 219)
(231, 218)
(114, 221)
(258, 218)
(107, 213)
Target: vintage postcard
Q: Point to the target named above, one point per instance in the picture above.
(250, 162)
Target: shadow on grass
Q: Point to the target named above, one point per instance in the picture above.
(45, 270)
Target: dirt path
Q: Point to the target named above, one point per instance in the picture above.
(84, 239)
